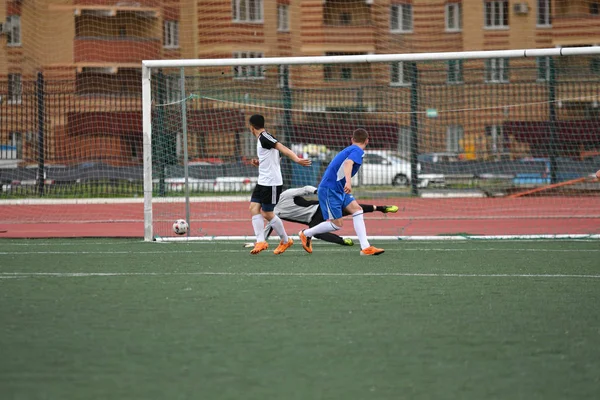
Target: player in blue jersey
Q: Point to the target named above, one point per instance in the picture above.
(335, 196)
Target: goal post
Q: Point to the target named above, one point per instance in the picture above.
(453, 135)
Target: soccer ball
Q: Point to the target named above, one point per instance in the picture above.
(180, 227)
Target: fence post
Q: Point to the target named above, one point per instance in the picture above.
(286, 95)
(414, 129)
(552, 118)
(40, 138)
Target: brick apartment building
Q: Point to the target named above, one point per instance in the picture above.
(90, 53)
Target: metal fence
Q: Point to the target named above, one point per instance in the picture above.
(90, 144)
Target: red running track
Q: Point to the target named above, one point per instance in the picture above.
(417, 217)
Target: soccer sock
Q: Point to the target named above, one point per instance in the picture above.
(361, 229)
(323, 227)
(278, 226)
(368, 208)
(258, 223)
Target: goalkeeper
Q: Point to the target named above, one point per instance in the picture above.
(293, 206)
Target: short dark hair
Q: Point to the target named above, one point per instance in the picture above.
(360, 135)
(257, 121)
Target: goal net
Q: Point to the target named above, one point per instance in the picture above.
(475, 144)
(464, 143)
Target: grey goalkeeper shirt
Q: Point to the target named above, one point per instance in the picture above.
(287, 209)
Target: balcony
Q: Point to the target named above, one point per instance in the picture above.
(115, 49)
(360, 37)
(111, 3)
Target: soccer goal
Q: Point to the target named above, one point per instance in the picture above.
(467, 144)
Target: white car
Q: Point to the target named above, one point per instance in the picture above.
(382, 167)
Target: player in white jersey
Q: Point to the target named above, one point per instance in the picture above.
(269, 185)
(299, 205)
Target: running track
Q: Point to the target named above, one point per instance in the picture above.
(417, 217)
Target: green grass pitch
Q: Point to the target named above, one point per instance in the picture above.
(123, 319)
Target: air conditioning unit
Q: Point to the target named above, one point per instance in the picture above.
(520, 8)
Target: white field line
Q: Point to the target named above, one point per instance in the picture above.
(420, 239)
(328, 250)
(5, 275)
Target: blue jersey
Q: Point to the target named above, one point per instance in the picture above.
(334, 178)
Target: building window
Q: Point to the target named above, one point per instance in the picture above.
(171, 40)
(346, 72)
(496, 70)
(247, 11)
(401, 18)
(595, 8)
(283, 18)
(544, 15)
(400, 73)
(13, 35)
(454, 138)
(14, 148)
(334, 72)
(455, 71)
(595, 65)
(496, 14)
(248, 71)
(404, 140)
(284, 73)
(543, 68)
(172, 89)
(345, 19)
(497, 145)
(453, 17)
(15, 88)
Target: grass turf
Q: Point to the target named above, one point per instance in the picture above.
(123, 319)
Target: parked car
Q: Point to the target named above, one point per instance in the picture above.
(382, 167)
(438, 157)
(219, 184)
(195, 184)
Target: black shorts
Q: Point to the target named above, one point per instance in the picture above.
(267, 196)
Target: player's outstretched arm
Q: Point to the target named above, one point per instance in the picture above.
(302, 202)
(348, 174)
(292, 156)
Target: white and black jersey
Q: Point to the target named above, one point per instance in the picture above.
(288, 209)
(269, 170)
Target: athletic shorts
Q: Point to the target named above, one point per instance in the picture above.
(267, 196)
(333, 203)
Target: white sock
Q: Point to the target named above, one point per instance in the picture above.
(258, 223)
(361, 229)
(323, 227)
(277, 224)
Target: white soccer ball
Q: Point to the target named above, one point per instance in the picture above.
(180, 227)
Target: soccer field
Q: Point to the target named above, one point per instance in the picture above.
(124, 319)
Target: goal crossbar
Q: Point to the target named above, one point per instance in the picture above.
(374, 58)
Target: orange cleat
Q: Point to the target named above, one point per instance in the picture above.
(371, 251)
(306, 242)
(258, 247)
(283, 246)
